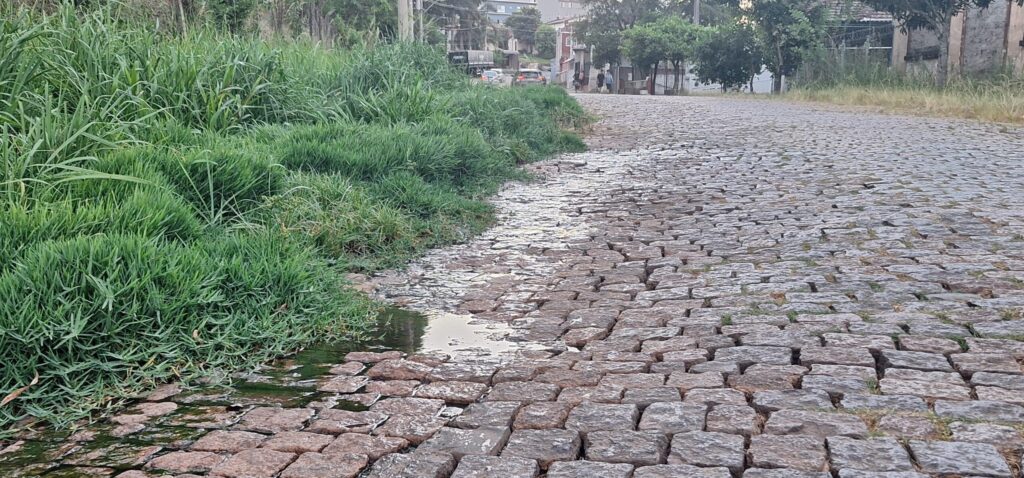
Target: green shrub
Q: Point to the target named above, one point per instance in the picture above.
(340, 217)
(99, 317)
(167, 200)
(222, 182)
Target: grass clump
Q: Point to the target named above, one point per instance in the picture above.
(997, 97)
(174, 205)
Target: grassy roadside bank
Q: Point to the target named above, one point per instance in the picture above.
(174, 205)
(996, 98)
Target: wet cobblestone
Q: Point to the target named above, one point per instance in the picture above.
(719, 288)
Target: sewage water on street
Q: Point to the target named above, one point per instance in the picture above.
(290, 381)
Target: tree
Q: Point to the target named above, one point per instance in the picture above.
(524, 24)
(788, 31)
(645, 46)
(607, 19)
(547, 41)
(934, 15)
(681, 39)
(231, 15)
(730, 56)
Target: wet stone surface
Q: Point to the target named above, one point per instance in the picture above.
(719, 288)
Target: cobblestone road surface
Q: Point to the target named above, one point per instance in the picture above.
(720, 288)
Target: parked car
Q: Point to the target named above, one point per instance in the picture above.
(493, 77)
(531, 77)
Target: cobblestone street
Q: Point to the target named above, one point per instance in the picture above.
(719, 288)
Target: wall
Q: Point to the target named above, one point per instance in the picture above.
(984, 39)
(1014, 37)
(981, 41)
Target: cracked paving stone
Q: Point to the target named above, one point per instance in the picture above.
(488, 414)
(274, 420)
(734, 419)
(544, 446)
(774, 400)
(819, 424)
(675, 471)
(916, 360)
(257, 463)
(873, 454)
(414, 428)
(359, 444)
(228, 441)
(298, 442)
(798, 452)
(588, 417)
(413, 465)
(408, 406)
(959, 458)
(398, 369)
(980, 410)
(186, 462)
(542, 415)
(523, 392)
(460, 393)
(673, 417)
(335, 422)
(461, 442)
(635, 448)
(478, 466)
(708, 449)
(317, 465)
(589, 469)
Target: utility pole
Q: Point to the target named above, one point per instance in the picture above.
(696, 12)
(404, 20)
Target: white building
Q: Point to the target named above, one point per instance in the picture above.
(499, 10)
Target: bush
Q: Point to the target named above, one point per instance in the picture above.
(340, 217)
(99, 317)
(169, 202)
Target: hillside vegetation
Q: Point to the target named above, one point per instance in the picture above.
(175, 204)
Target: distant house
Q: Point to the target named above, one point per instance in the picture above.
(551, 10)
(499, 10)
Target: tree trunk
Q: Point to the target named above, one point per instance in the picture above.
(942, 69)
(654, 79)
(675, 80)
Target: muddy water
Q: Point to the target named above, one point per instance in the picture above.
(289, 382)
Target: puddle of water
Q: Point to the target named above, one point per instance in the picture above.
(287, 382)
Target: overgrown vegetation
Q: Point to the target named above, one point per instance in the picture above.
(865, 82)
(173, 204)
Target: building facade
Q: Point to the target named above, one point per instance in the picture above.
(981, 40)
(551, 10)
(499, 10)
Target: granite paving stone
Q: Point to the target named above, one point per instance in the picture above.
(760, 285)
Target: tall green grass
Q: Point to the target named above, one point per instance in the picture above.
(863, 81)
(177, 204)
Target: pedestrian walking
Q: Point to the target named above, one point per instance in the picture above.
(609, 82)
(576, 83)
(600, 80)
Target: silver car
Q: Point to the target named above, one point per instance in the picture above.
(531, 77)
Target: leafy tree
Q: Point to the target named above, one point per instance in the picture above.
(788, 31)
(547, 40)
(646, 47)
(934, 15)
(608, 19)
(730, 56)
(336, 22)
(231, 15)
(681, 39)
(524, 24)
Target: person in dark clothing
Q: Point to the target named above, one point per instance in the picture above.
(600, 80)
(576, 82)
